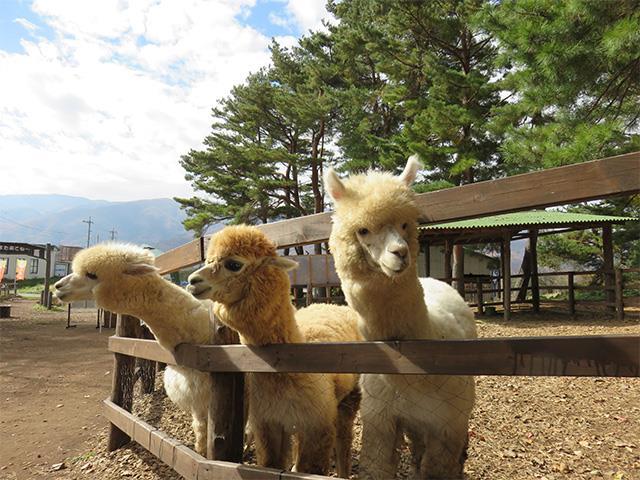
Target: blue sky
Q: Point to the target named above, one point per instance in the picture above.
(101, 98)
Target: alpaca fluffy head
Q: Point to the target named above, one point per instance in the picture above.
(240, 261)
(375, 221)
(100, 264)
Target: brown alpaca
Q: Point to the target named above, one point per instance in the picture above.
(251, 287)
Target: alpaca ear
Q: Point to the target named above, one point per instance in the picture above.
(333, 185)
(408, 175)
(140, 269)
(284, 263)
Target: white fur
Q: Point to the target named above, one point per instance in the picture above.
(127, 283)
(374, 243)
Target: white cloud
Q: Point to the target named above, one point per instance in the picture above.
(105, 107)
(26, 24)
(308, 14)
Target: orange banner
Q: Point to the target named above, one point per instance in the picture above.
(3, 267)
(21, 268)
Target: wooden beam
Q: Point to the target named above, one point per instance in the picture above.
(556, 186)
(608, 355)
(458, 263)
(183, 256)
(187, 462)
(607, 253)
(535, 279)
(448, 253)
(569, 184)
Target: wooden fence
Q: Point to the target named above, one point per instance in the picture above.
(614, 356)
(478, 287)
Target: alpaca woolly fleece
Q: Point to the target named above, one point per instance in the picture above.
(122, 278)
(249, 282)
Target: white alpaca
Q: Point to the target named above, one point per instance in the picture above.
(251, 287)
(374, 241)
(123, 279)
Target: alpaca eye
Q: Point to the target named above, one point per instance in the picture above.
(363, 231)
(404, 226)
(232, 265)
(92, 276)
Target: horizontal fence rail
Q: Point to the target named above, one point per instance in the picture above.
(184, 460)
(602, 356)
(555, 186)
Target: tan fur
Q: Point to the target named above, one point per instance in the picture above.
(432, 411)
(128, 284)
(255, 301)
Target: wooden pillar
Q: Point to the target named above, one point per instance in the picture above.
(535, 283)
(506, 276)
(607, 251)
(427, 258)
(479, 295)
(572, 292)
(448, 250)
(147, 367)
(619, 295)
(47, 277)
(225, 432)
(458, 251)
(123, 380)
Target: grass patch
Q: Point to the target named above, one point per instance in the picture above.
(41, 308)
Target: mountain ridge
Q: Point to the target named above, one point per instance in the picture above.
(61, 220)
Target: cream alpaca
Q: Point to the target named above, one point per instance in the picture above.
(123, 279)
(251, 288)
(375, 244)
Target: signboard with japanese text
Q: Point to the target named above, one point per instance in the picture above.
(38, 251)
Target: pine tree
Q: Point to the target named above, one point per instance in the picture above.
(573, 72)
(421, 78)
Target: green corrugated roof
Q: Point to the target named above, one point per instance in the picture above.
(526, 218)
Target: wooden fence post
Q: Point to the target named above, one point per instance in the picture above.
(619, 283)
(123, 380)
(572, 293)
(479, 294)
(225, 432)
(147, 367)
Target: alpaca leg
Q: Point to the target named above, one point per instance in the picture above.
(314, 449)
(272, 445)
(199, 424)
(444, 457)
(417, 447)
(381, 439)
(347, 411)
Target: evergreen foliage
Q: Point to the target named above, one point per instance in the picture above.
(480, 89)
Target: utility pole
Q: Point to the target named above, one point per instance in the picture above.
(89, 222)
(113, 233)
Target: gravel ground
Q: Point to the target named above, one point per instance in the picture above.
(521, 428)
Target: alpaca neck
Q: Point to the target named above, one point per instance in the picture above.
(173, 315)
(265, 320)
(389, 309)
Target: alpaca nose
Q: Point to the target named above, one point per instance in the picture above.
(399, 251)
(194, 280)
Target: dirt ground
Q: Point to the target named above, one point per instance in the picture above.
(53, 380)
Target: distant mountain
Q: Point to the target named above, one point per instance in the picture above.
(58, 219)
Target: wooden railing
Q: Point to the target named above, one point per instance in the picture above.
(479, 290)
(614, 356)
